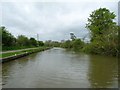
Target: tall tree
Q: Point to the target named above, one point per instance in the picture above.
(23, 40)
(40, 43)
(104, 31)
(33, 42)
(100, 21)
(7, 38)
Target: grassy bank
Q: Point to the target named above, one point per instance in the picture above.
(100, 48)
(22, 52)
(5, 48)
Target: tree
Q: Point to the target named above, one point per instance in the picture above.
(7, 38)
(48, 43)
(100, 22)
(77, 44)
(40, 43)
(67, 44)
(33, 42)
(23, 40)
(104, 32)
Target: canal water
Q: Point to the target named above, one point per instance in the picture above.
(60, 68)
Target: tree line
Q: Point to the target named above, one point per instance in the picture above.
(104, 35)
(9, 42)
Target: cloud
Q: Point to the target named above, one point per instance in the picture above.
(51, 20)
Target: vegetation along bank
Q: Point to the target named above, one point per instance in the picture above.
(103, 33)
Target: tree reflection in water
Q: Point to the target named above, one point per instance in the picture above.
(102, 71)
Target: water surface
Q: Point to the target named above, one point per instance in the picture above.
(60, 68)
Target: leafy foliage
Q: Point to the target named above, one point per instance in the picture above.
(23, 40)
(51, 43)
(100, 22)
(75, 44)
(40, 43)
(104, 32)
(9, 42)
(33, 42)
(104, 35)
(7, 38)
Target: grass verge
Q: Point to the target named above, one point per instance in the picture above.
(21, 52)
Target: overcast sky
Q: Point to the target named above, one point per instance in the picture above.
(51, 20)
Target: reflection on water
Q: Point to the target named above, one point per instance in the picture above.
(103, 71)
(59, 68)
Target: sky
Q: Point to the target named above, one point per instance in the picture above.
(51, 20)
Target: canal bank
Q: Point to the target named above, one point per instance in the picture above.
(21, 54)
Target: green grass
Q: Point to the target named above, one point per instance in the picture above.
(15, 48)
(21, 52)
(9, 54)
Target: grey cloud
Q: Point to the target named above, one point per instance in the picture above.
(51, 20)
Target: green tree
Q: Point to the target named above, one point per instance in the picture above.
(23, 40)
(40, 43)
(67, 44)
(7, 38)
(33, 42)
(77, 44)
(104, 32)
(48, 43)
(100, 22)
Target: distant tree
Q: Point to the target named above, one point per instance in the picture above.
(23, 40)
(67, 44)
(77, 44)
(48, 43)
(51, 43)
(33, 42)
(40, 43)
(7, 38)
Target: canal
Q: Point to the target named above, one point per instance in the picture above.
(60, 68)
